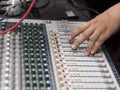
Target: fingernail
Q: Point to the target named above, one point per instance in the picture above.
(69, 37)
(92, 52)
(86, 53)
(73, 46)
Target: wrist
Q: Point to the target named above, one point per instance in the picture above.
(114, 13)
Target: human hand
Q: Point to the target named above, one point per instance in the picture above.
(97, 30)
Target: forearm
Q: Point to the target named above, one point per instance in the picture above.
(114, 12)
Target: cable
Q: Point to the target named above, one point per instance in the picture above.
(4, 5)
(4, 15)
(41, 4)
(23, 17)
(84, 8)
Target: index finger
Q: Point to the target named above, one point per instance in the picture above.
(78, 30)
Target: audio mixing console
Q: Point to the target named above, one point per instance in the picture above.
(38, 56)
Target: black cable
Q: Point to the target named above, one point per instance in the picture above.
(43, 6)
(72, 2)
(36, 6)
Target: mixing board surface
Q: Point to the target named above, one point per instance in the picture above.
(38, 56)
